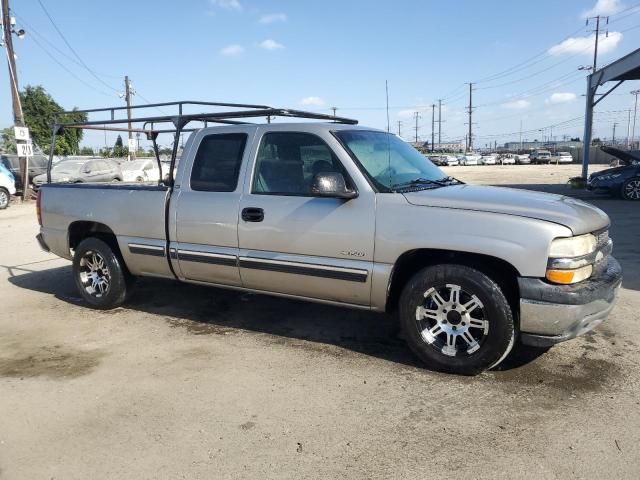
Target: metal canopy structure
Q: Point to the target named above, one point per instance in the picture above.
(176, 123)
(623, 69)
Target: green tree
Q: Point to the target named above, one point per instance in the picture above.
(119, 150)
(40, 112)
(87, 151)
(8, 141)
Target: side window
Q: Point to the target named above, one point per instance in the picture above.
(148, 166)
(217, 163)
(287, 162)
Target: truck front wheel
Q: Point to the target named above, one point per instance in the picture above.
(456, 319)
(100, 275)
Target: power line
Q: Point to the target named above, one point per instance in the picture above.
(72, 50)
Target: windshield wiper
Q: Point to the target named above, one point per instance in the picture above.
(442, 182)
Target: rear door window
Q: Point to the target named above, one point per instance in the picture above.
(217, 163)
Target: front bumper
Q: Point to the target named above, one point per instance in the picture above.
(551, 314)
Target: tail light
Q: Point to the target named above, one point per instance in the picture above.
(38, 211)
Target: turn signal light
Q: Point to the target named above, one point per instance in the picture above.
(566, 277)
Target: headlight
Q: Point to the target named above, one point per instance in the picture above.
(573, 246)
(609, 176)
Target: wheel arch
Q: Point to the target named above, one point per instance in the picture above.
(412, 261)
(82, 229)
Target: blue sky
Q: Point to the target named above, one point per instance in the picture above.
(316, 55)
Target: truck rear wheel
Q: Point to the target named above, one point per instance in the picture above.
(456, 319)
(100, 274)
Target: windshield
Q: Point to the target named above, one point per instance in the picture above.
(135, 165)
(389, 161)
(67, 167)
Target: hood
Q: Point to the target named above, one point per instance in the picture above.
(623, 169)
(55, 177)
(626, 157)
(579, 216)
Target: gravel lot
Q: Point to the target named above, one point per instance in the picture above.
(190, 382)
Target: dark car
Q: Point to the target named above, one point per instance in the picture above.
(623, 180)
(37, 166)
(82, 170)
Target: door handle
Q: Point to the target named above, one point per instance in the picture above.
(252, 214)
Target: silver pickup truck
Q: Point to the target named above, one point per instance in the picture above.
(351, 216)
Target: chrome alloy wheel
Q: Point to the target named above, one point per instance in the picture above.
(94, 274)
(453, 326)
(4, 199)
(632, 189)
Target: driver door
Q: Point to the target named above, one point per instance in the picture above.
(295, 243)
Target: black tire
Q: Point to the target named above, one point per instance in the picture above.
(494, 338)
(119, 280)
(5, 198)
(630, 189)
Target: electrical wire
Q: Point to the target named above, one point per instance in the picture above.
(94, 74)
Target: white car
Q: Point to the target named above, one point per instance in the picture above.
(562, 157)
(145, 170)
(523, 159)
(7, 187)
(452, 161)
(487, 159)
(508, 160)
(469, 160)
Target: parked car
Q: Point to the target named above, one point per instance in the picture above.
(488, 159)
(562, 157)
(438, 160)
(352, 216)
(507, 159)
(451, 161)
(80, 171)
(523, 159)
(623, 181)
(37, 166)
(7, 187)
(469, 160)
(144, 170)
(540, 156)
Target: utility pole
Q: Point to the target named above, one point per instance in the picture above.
(635, 111)
(127, 94)
(416, 116)
(520, 134)
(334, 110)
(613, 139)
(18, 118)
(628, 128)
(470, 109)
(433, 120)
(439, 121)
(399, 128)
(597, 32)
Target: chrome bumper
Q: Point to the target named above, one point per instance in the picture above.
(550, 314)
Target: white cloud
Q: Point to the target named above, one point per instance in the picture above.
(603, 7)
(234, 5)
(272, 18)
(312, 102)
(516, 104)
(585, 45)
(560, 97)
(271, 45)
(232, 50)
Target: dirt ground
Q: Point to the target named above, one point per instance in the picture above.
(190, 382)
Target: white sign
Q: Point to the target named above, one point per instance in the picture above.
(22, 133)
(132, 145)
(25, 149)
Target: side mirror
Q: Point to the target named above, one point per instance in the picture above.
(331, 184)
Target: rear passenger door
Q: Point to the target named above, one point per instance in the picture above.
(204, 208)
